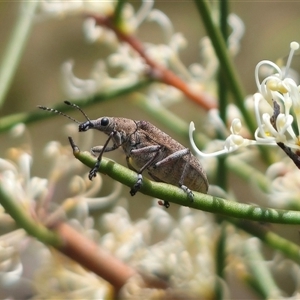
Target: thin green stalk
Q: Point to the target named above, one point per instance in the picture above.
(228, 68)
(25, 221)
(203, 202)
(118, 14)
(227, 65)
(8, 122)
(15, 47)
(261, 276)
(222, 173)
(273, 240)
(222, 91)
(220, 260)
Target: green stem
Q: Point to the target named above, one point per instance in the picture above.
(8, 122)
(25, 221)
(261, 276)
(117, 19)
(15, 47)
(222, 173)
(228, 68)
(273, 240)
(223, 92)
(220, 260)
(227, 65)
(203, 202)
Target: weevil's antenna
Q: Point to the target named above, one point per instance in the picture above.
(77, 107)
(57, 112)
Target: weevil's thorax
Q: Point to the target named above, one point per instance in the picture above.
(124, 129)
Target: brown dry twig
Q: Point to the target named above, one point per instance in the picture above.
(95, 259)
(161, 73)
(92, 257)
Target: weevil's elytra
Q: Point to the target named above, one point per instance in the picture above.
(174, 160)
(146, 148)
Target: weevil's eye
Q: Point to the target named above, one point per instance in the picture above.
(104, 121)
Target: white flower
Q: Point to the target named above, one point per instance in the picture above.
(64, 279)
(285, 186)
(276, 92)
(38, 197)
(180, 250)
(238, 30)
(60, 8)
(93, 33)
(232, 143)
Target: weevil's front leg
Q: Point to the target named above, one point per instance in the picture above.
(98, 149)
(175, 156)
(141, 151)
(101, 150)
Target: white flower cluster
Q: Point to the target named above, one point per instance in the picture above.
(132, 66)
(283, 90)
(36, 196)
(61, 8)
(277, 92)
(178, 250)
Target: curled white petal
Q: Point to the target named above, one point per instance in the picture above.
(258, 66)
(91, 31)
(75, 87)
(164, 22)
(143, 12)
(238, 30)
(236, 126)
(196, 150)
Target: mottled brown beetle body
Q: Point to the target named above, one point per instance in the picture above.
(195, 178)
(147, 148)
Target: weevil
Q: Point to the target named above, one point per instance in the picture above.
(146, 148)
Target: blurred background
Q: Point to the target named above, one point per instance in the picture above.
(269, 29)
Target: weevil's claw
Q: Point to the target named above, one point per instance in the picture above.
(166, 204)
(93, 172)
(132, 192)
(137, 185)
(188, 191)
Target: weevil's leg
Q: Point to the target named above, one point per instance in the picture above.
(94, 170)
(166, 204)
(141, 151)
(98, 149)
(175, 156)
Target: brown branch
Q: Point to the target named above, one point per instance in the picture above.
(92, 257)
(161, 73)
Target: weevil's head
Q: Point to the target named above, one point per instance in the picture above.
(85, 126)
(104, 124)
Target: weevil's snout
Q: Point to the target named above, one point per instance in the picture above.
(85, 126)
